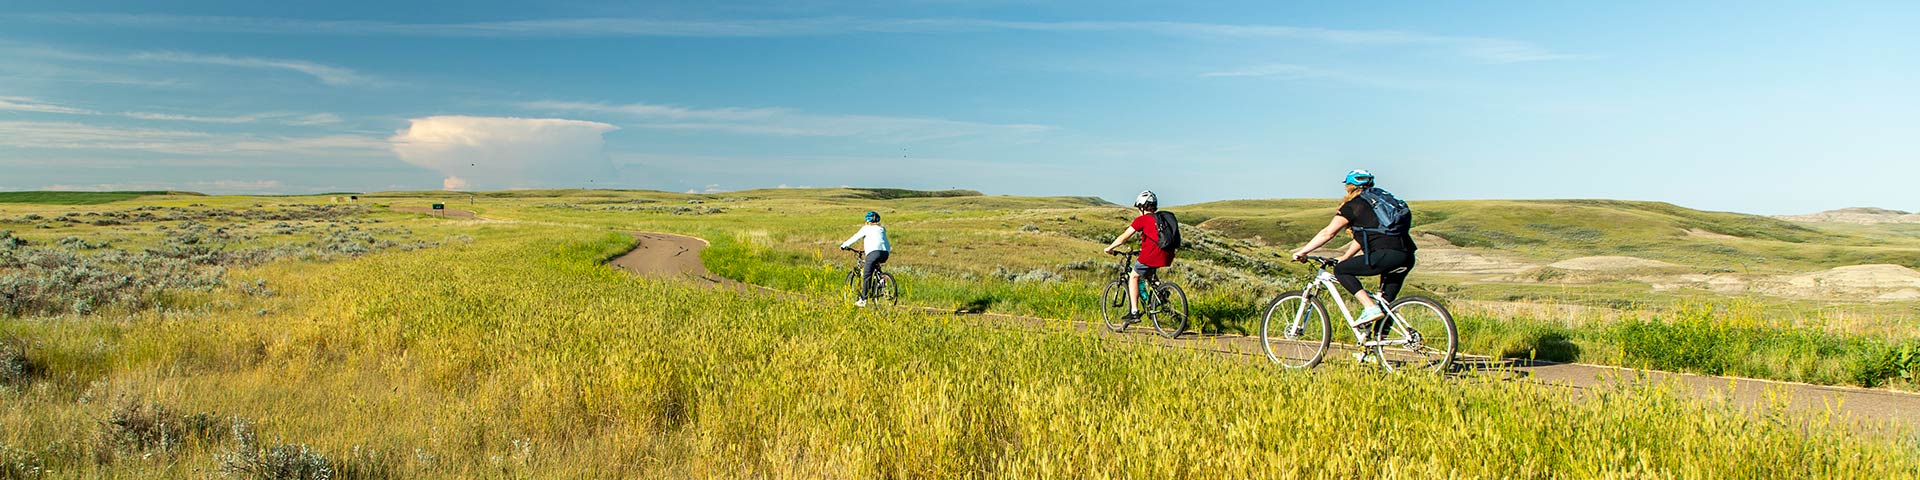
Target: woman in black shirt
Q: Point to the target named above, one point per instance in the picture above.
(1389, 256)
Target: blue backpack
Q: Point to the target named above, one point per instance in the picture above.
(1395, 218)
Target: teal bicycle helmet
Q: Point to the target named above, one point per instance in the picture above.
(873, 217)
(1360, 178)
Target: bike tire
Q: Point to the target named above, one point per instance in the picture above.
(1311, 332)
(1170, 310)
(1417, 320)
(852, 292)
(889, 289)
(1113, 306)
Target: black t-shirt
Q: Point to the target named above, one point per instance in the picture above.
(1359, 213)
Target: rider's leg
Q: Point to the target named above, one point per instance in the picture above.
(1391, 281)
(867, 266)
(1369, 264)
(1133, 290)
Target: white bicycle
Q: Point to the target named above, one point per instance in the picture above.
(1296, 332)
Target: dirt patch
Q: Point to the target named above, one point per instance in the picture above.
(450, 212)
(667, 256)
(1907, 295)
(1461, 261)
(1862, 216)
(1437, 255)
(1608, 262)
(1893, 283)
(1862, 276)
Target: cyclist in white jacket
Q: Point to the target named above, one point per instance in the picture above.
(877, 248)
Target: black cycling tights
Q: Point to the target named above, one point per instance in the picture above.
(1391, 265)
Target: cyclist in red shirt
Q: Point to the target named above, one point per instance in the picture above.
(1151, 256)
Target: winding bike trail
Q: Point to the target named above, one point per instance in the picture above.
(677, 256)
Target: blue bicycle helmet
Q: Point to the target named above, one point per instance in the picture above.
(1360, 178)
(873, 217)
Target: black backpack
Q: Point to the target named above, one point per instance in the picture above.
(1395, 218)
(1168, 229)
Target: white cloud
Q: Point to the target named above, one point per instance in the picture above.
(784, 122)
(1494, 50)
(504, 152)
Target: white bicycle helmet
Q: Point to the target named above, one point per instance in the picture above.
(1146, 199)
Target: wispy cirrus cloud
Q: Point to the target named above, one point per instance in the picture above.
(285, 118)
(87, 137)
(28, 104)
(31, 104)
(1283, 71)
(207, 186)
(786, 122)
(1487, 49)
(327, 74)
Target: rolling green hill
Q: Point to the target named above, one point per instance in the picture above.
(1552, 230)
(78, 198)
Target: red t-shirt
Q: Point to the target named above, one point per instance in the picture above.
(1150, 253)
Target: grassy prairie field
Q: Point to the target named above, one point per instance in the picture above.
(503, 347)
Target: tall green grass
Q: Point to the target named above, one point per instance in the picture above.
(520, 355)
(1701, 339)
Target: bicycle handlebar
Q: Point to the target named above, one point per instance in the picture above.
(1323, 261)
(1129, 253)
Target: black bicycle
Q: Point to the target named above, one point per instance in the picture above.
(1162, 302)
(884, 291)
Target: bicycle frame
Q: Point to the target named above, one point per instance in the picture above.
(859, 259)
(1326, 281)
(1147, 282)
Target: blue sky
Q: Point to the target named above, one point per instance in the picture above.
(1744, 106)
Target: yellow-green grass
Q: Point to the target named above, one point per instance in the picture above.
(521, 355)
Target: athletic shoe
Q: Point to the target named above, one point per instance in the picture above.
(1368, 315)
(860, 303)
(1361, 357)
(1131, 318)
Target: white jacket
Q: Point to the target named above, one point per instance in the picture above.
(876, 239)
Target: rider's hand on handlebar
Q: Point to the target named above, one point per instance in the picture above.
(1108, 251)
(1299, 256)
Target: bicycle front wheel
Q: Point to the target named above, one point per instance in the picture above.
(853, 286)
(1422, 334)
(1170, 312)
(1113, 306)
(1295, 332)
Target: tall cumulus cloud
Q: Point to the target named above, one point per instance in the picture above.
(506, 152)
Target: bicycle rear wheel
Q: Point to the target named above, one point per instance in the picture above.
(1423, 333)
(1170, 310)
(888, 289)
(1295, 332)
(1113, 306)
